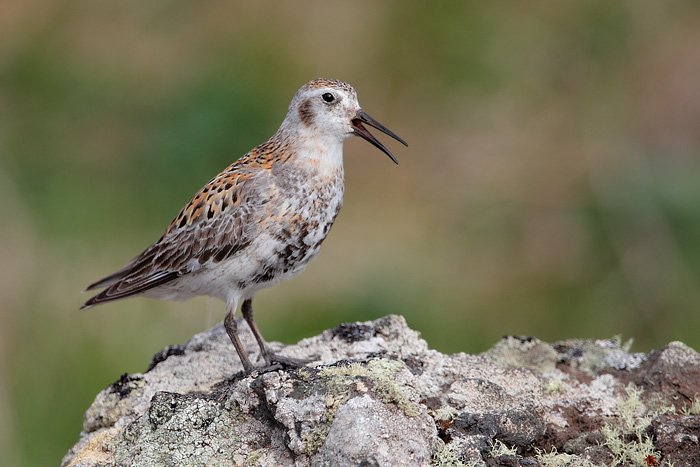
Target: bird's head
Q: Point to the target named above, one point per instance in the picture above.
(330, 108)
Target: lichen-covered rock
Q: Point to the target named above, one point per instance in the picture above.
(367, 431)
(374, 394)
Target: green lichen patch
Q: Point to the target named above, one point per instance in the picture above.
(627, 439)
(556, 459)
(444, 455)
(500, 449)
(315, 438)
(445, 413)
(376, 376)
(552, 386)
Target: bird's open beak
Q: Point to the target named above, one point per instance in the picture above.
(359, 129)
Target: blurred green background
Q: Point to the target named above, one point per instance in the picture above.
(551, 187)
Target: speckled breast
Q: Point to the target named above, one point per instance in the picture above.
(296, 228)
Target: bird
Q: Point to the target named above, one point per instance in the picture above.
(260, 221)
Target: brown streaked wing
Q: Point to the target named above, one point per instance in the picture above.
(214, 225)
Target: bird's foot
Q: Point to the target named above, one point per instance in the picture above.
(275, 362)
(286, 362)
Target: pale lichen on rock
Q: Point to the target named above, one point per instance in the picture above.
(375, 394)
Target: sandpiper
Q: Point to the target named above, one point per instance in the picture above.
(258, 222)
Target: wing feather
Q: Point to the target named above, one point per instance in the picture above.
(215, 224)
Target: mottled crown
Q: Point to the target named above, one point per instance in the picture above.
(326, 83)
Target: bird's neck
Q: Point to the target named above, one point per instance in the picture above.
(315, 153)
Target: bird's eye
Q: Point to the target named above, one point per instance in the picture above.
(328, 97)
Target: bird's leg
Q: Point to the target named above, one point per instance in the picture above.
(268, 355)
(232, 331)
(247, 311)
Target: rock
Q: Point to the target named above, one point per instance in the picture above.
(374, 394)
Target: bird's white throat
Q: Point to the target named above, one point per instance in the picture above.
(323, 154)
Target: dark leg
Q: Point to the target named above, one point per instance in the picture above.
(268, 355)
(232, 331)
(247, 311)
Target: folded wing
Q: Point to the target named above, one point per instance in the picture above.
(216, 223)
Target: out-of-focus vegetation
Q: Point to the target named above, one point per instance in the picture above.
(551, 187)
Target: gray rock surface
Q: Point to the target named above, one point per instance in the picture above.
(374, 394)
